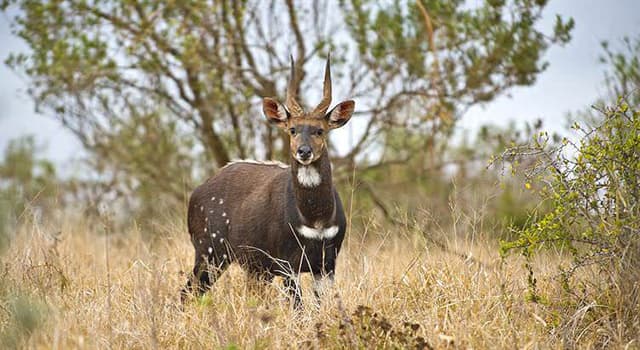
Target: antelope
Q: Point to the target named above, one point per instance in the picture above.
(271, 218)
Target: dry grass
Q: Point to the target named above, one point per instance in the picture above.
(122, 292)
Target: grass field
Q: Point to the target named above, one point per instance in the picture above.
(73, 286)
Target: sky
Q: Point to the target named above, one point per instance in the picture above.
(572, 81)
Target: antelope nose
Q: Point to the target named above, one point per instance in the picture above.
(304, 152)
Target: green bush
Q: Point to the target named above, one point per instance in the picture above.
(592, 187)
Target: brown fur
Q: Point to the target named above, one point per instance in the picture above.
(264, 205)
(262, 217)
(317, 142)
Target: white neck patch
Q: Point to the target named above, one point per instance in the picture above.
(308, 176)
(318, 233)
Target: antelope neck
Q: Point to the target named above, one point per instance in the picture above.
(315, 201)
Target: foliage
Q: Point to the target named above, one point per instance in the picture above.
(593, 186)
(127, 76)
(589, 191)
(26, 182)
(592, 190)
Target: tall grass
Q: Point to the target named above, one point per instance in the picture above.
(88, 286)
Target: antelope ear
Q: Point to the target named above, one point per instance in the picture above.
(275, 112)
(340, 114)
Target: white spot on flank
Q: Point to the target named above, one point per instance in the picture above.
(199, 241)
(224, 214)
(224, 256)
(227, 221)
(213, 198)
(201, 208)
(205, 229)
(318, 233)
(206, 218)
(210, 250)
(221, 240)
(213, 235)
(221, 201)
(211, 211)
(308, 176)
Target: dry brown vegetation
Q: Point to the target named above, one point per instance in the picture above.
(394, 289)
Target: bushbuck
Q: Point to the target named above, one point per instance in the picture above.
(271, 218)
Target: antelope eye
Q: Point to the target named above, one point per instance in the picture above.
(319, 132)
(292, 131)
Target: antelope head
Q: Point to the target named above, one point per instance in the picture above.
(308, 130)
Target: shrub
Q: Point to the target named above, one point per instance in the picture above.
(592, 186)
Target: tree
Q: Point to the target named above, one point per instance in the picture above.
(127, 76)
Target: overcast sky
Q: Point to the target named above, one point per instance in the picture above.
(572, 81)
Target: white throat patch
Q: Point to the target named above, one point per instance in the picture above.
(308, 176)
(318, 233)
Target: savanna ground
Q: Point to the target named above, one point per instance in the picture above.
(77, 284)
